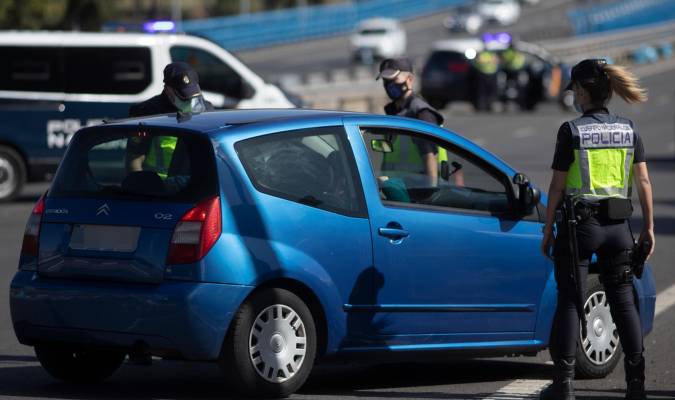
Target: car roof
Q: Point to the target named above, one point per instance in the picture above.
(214, 120)
(62, 38)
(459, 45)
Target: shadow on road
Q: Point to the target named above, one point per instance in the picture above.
(21, 376)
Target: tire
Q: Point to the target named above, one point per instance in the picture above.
(12, 173)
(599, 353)
(251, 365)
(78, 366)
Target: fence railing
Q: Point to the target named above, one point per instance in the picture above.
(621, 14)
(261, 29)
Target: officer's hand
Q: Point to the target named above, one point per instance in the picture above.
(547, 241)
(649, 236)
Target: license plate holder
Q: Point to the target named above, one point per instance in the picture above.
(120, 239)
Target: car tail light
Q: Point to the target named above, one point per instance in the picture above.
(458, 68)
(196, 233)
(29, 247)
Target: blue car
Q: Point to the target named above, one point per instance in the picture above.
(268, 240)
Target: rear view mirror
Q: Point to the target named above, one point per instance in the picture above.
(445, 169)
(381, 146)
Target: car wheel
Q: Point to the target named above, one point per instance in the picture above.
(600, 351)
(12, 173)
(78, 366)
(271, 344)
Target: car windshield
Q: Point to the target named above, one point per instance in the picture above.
(373, 31)
(137, 164)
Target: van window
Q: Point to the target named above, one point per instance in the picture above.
(214, 74)
(31, 69)
(107, 70)
(314, 167)
(137, 164)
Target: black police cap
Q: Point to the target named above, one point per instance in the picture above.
(391, 67)
(588, 72)
(184, 80)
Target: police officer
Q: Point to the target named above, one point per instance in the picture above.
(398, 79)
(486, 65)
(181, 94)
(596, 155)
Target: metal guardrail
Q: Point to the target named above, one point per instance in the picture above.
(621, 14)
(615, 44)
(249, 31)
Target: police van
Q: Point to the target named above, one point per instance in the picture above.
(54, 83)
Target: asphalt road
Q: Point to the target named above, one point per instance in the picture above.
(525, 141)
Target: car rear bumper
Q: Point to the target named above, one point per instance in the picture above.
(176, 319)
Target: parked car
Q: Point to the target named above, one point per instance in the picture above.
(502, 12)
(58, 82)
(272, 239)
(448, 73)
(464, 19)
(378, 38)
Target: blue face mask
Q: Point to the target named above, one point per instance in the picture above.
(395, 90)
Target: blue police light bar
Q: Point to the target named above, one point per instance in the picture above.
(159, 26)
(501, 37)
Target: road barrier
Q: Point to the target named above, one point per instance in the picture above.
(621, 14)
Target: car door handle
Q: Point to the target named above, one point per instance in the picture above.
(393, 233)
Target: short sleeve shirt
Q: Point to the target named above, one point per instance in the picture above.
(564, 148)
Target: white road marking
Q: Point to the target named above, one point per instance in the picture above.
(530, 388)
(664, 300)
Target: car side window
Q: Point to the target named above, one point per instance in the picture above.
(214, 75)
(35, 69)
(415, 169)
(107, 70)
(314, 167)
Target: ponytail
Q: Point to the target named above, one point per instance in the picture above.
(625, 84)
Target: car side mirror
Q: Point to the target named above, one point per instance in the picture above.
(528, 196)
(381, 146)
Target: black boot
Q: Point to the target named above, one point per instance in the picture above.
(635, 378)
(562, 387)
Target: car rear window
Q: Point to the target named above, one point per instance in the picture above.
(137, 164)
(441, 59)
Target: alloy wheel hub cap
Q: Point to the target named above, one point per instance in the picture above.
(602, 340)
(277, 343)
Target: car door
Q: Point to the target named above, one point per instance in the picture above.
(456, 266)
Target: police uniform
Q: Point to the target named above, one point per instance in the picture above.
(158, 152)
(598, 151)
(403, 158)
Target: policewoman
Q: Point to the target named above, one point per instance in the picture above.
(420, 155)
(597, 158)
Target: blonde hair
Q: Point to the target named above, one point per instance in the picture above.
(625, 84)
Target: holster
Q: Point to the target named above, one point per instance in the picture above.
(617, 269)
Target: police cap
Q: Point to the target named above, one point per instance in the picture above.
(184, 80)
(588, 71)
(391, 67)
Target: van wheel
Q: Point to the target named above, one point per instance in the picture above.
(600, 351)
(271, 344)
(12, 173)
(78, 366)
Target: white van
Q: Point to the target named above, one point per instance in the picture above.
(54, 83)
